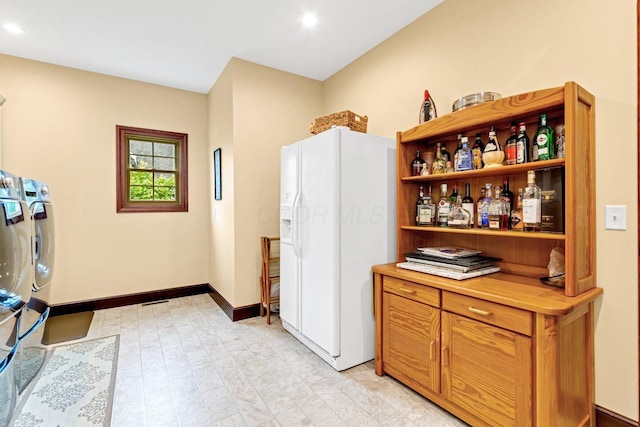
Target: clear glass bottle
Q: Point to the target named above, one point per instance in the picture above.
(481, 201)
(424, 213)
(467, 203)
(483, 209)
(478, 148)
(428, 201)
(543, 141)
(510, 145)
(448, 168)
(444, 207)
(465, 156)
(416, 164)
(517, 223)
(457, 152)
(531, 204)
(559, 135)
(459, 217)
(438, 163)
(497, 211)
(522, 145)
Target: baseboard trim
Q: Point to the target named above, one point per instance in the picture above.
(138, 298)
(607, 418)
(232, 312)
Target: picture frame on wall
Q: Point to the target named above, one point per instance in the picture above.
(217, 173)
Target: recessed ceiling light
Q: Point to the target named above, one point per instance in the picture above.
(13, 28)
(309, 20)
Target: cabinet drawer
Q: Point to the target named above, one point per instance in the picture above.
(412, 291)
(513, 319)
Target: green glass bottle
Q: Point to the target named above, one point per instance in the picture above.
(543, 141)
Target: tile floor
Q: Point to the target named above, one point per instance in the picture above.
(184, 363)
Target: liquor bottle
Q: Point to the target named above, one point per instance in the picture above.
(492, 156)
(522, 145)
(543, 141)
(531, 204)
(459, 217)
(517, 223)
(465, 156)
(559, 133)
(454, 194)
(427, 108)
(416, 164)
(510, 145)
(478, 148)
(456, 153)
(448, 168)
(481, 201)
(446, 156)
(467, 203)
(424, 214)
(483, 209)
(507, 197)
(444, 206)
(428, 201)
(498, 212)
(439, 163)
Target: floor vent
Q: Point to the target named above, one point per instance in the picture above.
(155, 302)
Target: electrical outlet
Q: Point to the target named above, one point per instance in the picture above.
(615, 217)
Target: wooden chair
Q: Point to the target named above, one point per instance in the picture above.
(270, 274)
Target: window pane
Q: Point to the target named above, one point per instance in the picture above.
(164, 163)
(165, 193)
(140, 178)
(137, 192)
(164, 179)
(140, 147)
(140, 162)
(164, 150)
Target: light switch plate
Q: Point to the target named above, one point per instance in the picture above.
(615, 217)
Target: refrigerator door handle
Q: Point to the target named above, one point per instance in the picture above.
(294, 228)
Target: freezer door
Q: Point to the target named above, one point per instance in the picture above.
(289, 180)
(319, 231)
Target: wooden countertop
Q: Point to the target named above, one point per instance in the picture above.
(515, 291)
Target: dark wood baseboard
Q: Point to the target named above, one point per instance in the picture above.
(233, 313)
(607, 418)
(139, 298)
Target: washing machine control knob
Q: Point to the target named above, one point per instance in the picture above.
(44, 190)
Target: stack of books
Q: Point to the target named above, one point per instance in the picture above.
(451, 262)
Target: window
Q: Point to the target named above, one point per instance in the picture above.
(151, 170)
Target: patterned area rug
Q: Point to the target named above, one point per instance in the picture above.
(75, 387)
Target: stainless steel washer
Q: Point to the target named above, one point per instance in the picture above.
(16, 278)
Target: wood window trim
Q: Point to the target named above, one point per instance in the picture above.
(123, 204)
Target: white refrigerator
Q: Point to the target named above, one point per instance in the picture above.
(337, 219)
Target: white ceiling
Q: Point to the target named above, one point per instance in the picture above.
(186, 44)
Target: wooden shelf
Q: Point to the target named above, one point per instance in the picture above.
(483, 232)
(487, 172)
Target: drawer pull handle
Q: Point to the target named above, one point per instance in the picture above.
(480, 312)
(408, 291)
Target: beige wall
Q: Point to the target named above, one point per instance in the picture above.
(59, 127)
(466, 46)
(269, 109)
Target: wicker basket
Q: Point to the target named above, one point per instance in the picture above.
(342, 118)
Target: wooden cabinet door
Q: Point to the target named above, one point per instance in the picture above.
(410, 342)
(487, 371)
